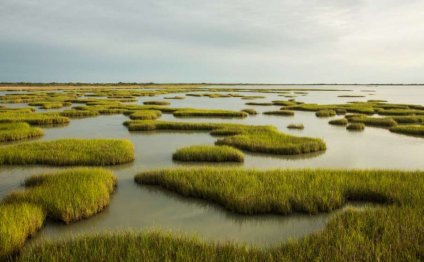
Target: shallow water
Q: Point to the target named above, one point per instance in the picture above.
(142, 207)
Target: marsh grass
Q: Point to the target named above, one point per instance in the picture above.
(66, 152)
(174, 97)
(259, 104)
(414, 130)
(250, 111)
(146, 115)
(373, 121)
(338, 122)
(68, 195)
(18, 221)
(325, 113)
(260, 139)
(296, 126)
(248, 191)
(209, 113)
(206, 153)
(280, 113)
(41, 119)
(18, 131)
(157, 103)
(72, 113)
(355, 127)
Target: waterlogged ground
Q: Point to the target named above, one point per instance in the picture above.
(142, 207)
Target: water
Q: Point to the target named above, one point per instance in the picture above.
(143, 207)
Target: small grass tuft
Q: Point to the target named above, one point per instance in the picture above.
(296, 126)
(355, 127)
(325, 113)
(205, 153)
(338, 122)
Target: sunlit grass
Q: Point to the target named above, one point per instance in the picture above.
(18, 131)
(65, 152)
(415, 130)
(206, 153)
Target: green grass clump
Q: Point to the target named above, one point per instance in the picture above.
(157, 103)
(73, 113)
(146, 114)
(373, 121)
(280, 113)
(408, 119)
(33, 118)
(208, 113)
(66, 152)
(351, 96)
(296, 126)
(325, 113)
(338, 122)
(260, 139)
(209, 154)
(68, 195)
(400, 112)
(18, 221)
(284, 191)
(415, 130)
(259, 104)
(18, 131)
(250, 111)
(356, 127)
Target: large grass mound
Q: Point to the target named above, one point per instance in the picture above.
(261, 139)
(287, 191)
(33, 118)
(66, 152)
(67, 196)
(18, 131)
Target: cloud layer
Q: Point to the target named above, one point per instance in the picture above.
(274, 41)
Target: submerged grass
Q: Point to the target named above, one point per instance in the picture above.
(206, 153)
(65, 152)
(18, 131)
(260, 139)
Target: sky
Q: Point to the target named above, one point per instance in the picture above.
(220, 41)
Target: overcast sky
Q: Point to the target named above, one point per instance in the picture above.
(272, 41)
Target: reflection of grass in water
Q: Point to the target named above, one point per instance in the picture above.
(18, 131)
(65, 152)
(67, 196)
(209, 154)
(260, 139)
